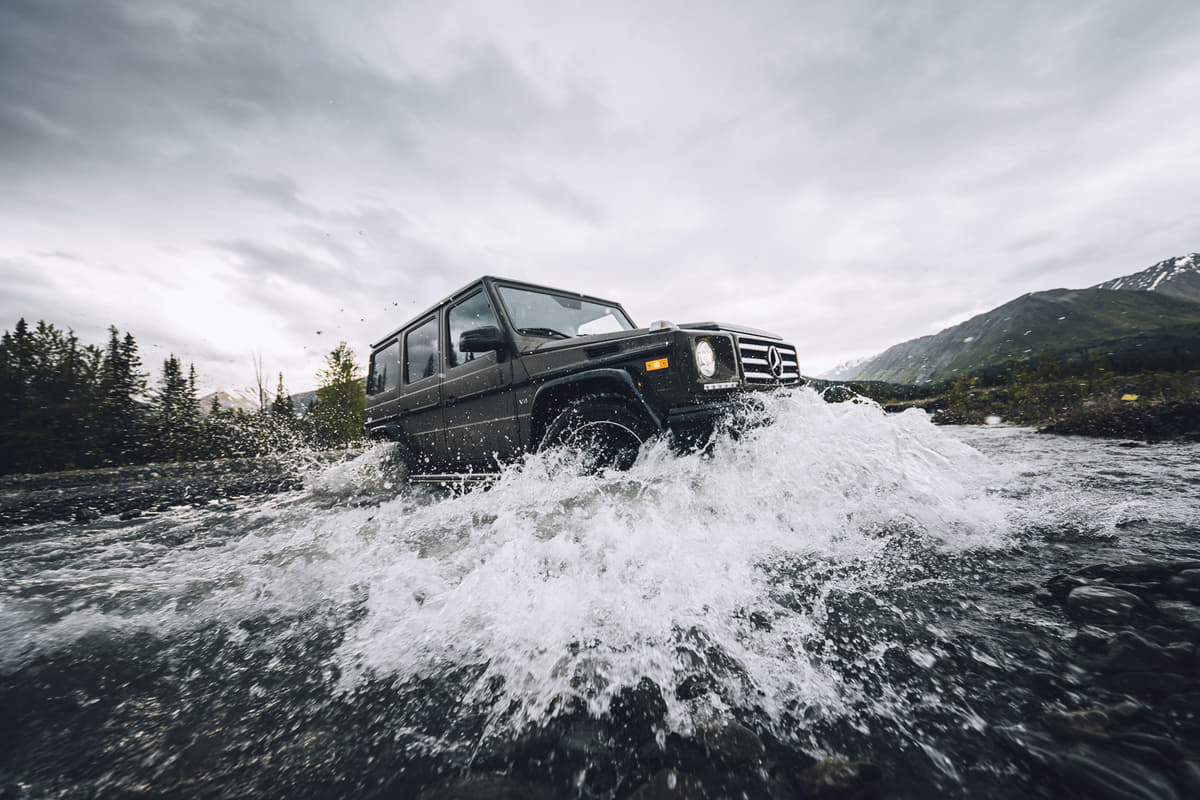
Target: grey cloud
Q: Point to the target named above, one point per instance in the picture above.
(144, 82)
(262, 261)
(561, 199)
(281, 192)
(927, 81)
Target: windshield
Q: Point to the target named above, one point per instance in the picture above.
(557, 316)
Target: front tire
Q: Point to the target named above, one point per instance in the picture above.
(604, 430)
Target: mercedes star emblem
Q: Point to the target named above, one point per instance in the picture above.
(774, 361)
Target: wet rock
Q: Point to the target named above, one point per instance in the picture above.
(1103, 604)
(132, 513)
(487, 787)
(840, 779)
(1085, 769)
(1091, 639)
(1062, 585)
(1180, 613)
(839, 394)
(1128, 573)
(89, 514)
(636, 712)
(583, 738)
(1160, 633)
(1144, 683)
(1044, 598)
(732, 743)
(1188, 773)
(1126, 710)
(670, 784)
(1087, 725)
(693, 686)
(1168, 748)
(1129, 652)
(1185, 585)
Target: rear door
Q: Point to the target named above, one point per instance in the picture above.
(479, 410)
(420, 400)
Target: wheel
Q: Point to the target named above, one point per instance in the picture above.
(604, 429)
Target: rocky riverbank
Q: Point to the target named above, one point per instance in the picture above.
(1153, 422)
(86, 495)
(1157, 422)
(1122, 715)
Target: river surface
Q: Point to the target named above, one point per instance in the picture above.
(839, 581)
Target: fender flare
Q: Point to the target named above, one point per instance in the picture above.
(610, 378)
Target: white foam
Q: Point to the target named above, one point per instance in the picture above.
(553, 583)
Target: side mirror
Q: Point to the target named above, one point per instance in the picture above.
(481, 340)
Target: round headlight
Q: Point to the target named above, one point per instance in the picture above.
(706, 359)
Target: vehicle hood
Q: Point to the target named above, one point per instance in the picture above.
(725, 326)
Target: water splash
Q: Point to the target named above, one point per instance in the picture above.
(560, 586)
(788, 575)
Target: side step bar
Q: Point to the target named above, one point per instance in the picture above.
(455, 479)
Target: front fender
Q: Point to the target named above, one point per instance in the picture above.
(551, 394)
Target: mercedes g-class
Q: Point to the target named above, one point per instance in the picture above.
(501, 368)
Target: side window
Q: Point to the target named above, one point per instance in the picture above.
(385, 369)
(421, 352)
(472, 313)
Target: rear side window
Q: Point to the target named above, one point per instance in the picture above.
(385, 370)
(421, 352)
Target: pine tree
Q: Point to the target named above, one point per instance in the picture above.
(123, 416)
(337, 413)
(283, 409)
(177, 417)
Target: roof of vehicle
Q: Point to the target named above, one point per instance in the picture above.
(490, 280)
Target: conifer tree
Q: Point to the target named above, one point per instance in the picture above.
(177, 417)
(283, 409)
(337, 413)
(124, 390)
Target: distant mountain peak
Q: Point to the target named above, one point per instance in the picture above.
(1177, 277)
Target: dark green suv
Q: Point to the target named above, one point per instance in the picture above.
(501, 368)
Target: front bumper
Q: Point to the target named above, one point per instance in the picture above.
(695, 425)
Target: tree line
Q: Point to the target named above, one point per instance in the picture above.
(68, 405)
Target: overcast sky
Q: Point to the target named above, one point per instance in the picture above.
(225, 179)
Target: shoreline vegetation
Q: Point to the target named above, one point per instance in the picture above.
(1054, 398)
(66, 406)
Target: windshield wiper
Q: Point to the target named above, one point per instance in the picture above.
(543, 332)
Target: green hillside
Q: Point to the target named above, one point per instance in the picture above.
(1124, 327)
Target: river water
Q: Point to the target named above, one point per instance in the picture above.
(839, 581)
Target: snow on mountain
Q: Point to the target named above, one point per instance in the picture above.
(236, 400)
(1176, 277)
(846, 368)
(247, 400)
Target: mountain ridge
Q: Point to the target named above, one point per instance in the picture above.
(1152, 311)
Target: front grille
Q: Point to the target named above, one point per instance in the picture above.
(756, 366)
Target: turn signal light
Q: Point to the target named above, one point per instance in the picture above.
(658, 363)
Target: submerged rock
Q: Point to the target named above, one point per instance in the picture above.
(1093, 769)
(1091, 724)
(486, 787)
(670, 784)
(1180, 613)
(840, 779)
(1103, 604)
(732, 743)
(88, 514)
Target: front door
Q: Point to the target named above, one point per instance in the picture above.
(479, 410)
